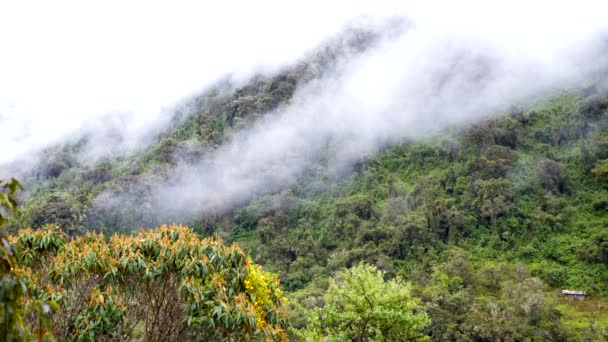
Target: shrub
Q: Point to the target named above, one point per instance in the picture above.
(161, 284)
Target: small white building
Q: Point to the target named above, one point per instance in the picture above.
(580, 295)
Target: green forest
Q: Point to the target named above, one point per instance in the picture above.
(467, 235)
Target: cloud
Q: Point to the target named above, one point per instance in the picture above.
(70, 64)
(411, 86)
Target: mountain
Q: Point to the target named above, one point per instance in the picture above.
(488, 220)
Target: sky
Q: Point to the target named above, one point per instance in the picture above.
(74, 67)
(65, 63)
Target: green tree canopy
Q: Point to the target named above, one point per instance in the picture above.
(360, 305)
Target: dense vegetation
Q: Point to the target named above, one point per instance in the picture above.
(164, 284)
(486, 222)
(360, 305)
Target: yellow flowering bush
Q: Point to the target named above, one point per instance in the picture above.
(265, 293)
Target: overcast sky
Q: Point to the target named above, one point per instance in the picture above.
(63, 63)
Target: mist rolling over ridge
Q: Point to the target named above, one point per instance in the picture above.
(269, 170)
(423, 71)
(408, 85)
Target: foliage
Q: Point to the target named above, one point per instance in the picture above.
(526, 188)
(161, 284)
(360, 305)
(8, 202)
(13, 312)
(551, 175)
(587, 320)
(490, 302)
(600, 171)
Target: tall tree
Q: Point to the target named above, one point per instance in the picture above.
(361, 306)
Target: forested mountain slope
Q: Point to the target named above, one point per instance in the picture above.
(486, 220)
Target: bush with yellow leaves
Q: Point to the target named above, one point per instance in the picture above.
(164, 284)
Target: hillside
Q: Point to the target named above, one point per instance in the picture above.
(274, 171)
(487, 220)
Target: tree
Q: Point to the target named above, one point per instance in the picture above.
(552, 175)
(600, 171)
(12, 287)
(493, 198)
(58, 208)
(494, 162)
(164, 284)
(594, 105)
(361, 306)
(488, 301)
